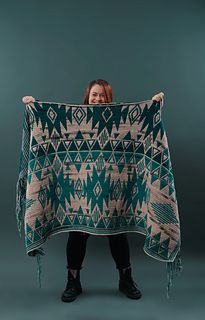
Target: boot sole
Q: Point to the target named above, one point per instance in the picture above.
(64, 299)
(130, 296)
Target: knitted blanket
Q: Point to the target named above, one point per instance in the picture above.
(102, 169)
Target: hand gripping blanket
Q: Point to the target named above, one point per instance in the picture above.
(103, 170)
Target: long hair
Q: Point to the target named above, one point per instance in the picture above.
(106, 87)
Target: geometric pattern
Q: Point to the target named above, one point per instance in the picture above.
(102, 169)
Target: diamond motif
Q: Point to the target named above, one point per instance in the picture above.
(107, 114)
(79, 188)
(42, 197)
(134, 114)
(79, 114)
(51, 114)
(58, 190)
(97, 189)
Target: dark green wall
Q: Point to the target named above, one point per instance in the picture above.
(52, 49)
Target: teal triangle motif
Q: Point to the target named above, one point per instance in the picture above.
(131, 159)
(155, 248)
(141, 149)
(124, 222)
(127, 136)
(155, 166)
(37, 166)
(56, 223)
(141, 223)
(47, 163)
(164, 253)
(28, 228)
(28, 242)
(165, 243)
(119, 146)
(73, 146)
(76, 221)
(61, 147)
(91, 134)
(157, 236)
(45, 146)
(163, 184)
(89, 115)
(149, 153)
(111, 159)
(51, 149)
(158, 158)
(115, 214)
(84, 146)
(73, 155)
(96, 146)
(154, 178)
(79, 143)
(66, 135)
(38, 175)
(155, 151)
(80, 211)
(110, 225)
(79, 135)
(101, 224)
(36, 236)
(37, 223)
(78, 158)
(91, 223)
(116, 135)
(107, 147)
(163, 172)
(132, 221)
(67, 144)
(130, 148)
(121, 160)
(66, 221)
(89, 158)
(30, 235)
(120, 167)
(149, 230)
(114, 144)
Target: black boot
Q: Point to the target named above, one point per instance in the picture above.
(127, 285)
(73, 287)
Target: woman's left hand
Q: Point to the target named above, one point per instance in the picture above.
(159, 97)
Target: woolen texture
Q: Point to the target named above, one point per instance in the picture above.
(101, 169)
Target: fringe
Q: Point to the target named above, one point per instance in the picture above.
(173, 269)
(38, 254)
(19, 205)
(39, 269)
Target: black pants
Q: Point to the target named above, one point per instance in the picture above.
(76, 248)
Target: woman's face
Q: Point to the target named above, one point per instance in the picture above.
(96, 95)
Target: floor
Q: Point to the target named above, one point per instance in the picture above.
(21, 298)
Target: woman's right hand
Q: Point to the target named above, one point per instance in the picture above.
(28, 99)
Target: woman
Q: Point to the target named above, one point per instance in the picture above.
(98, 92)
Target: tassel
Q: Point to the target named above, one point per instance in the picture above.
(173, 269)
(19, 205)
(39, 268)
(38, 253)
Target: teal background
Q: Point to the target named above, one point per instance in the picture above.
(52, 50)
